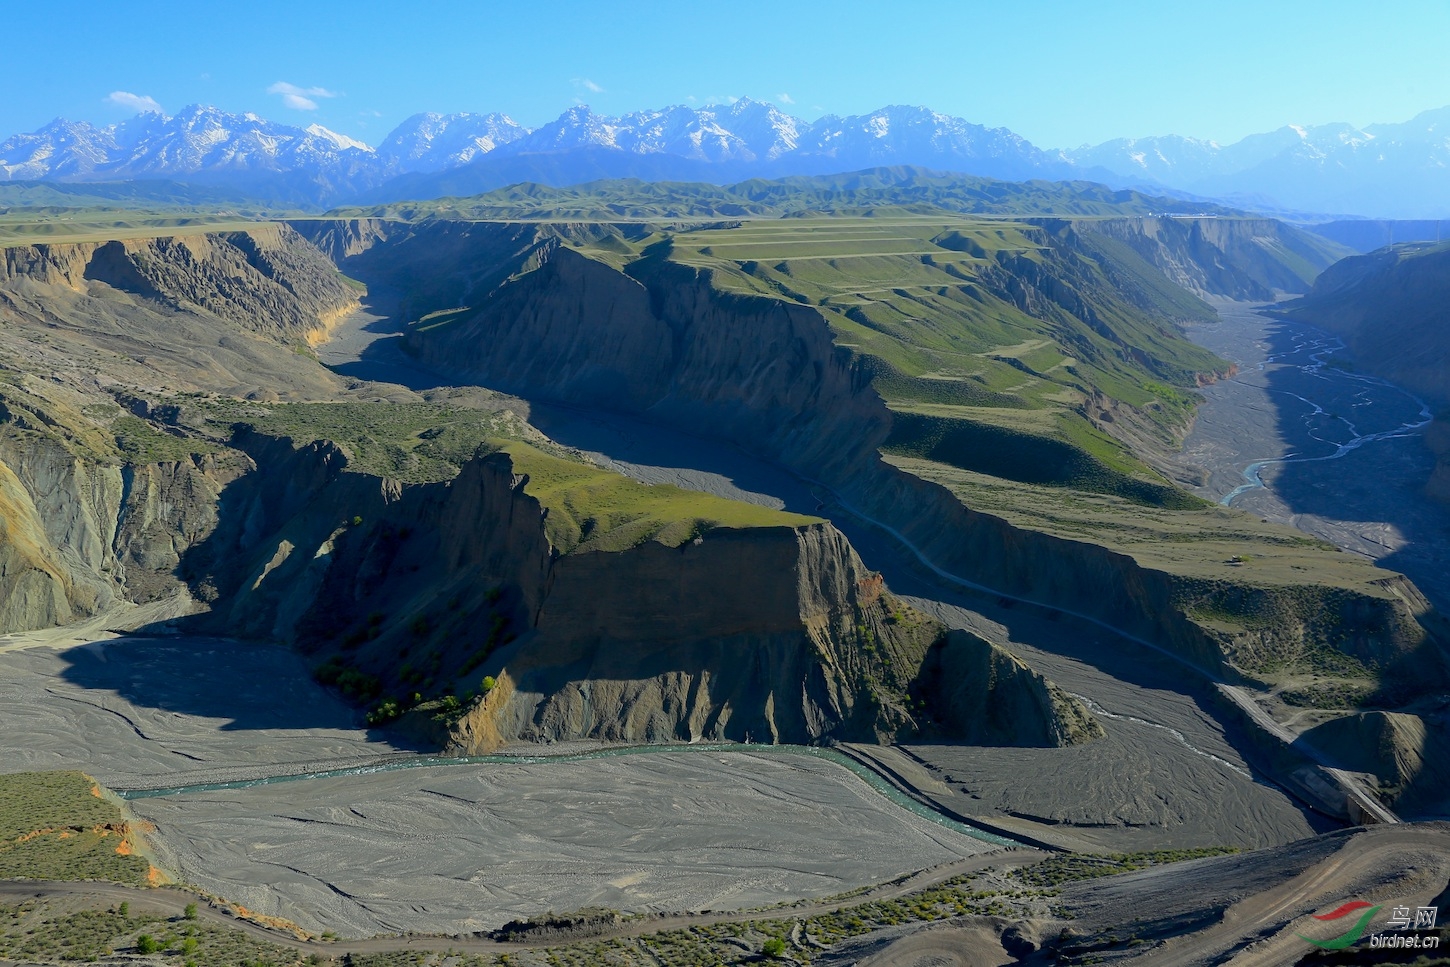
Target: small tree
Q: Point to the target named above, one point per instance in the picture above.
(190, 912)
(147, 944)
(773, 948)
(488, 684)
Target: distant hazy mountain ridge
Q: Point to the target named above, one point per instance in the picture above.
(1399, 170)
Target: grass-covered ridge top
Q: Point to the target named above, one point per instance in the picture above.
(589, 508)
(900, 188)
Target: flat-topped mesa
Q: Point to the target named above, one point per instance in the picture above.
(771, 631)
(738, 632)
(266, 278)
(746, 635)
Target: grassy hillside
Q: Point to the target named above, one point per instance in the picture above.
(60, 826)
(986, 337)
(589, 508)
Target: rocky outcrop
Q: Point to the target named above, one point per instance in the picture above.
(340, 239)
(767, 633)
(751, 635)
(81, 536)
(267, 278)
(35, 589)
(750, 632)
(753, 370)
(88, 522)
(430, 266)
(1404, 752)
(984, 695)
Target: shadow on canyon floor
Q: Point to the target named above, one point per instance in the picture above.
(1370, 496)
(239, 686)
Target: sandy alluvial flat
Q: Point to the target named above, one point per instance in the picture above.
(143, 712)
(451, 849)
(456, 849)
(1371, 500)
(1166, 775)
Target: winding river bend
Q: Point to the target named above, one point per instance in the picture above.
(1298, 437)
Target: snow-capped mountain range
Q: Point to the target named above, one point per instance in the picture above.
(1385, 170)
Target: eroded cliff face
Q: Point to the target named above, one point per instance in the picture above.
(81, 537)
(1405, 752)
(91, 522)
(767, 633)
(267, 278)
(1234, 258)
(663, 342)
(1392, 307)
(987, 696)
(772, 634)
(766, 375)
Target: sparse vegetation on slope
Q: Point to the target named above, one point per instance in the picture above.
(38, 933)
(61, 826)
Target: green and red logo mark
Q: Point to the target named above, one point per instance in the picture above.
(1353, 933)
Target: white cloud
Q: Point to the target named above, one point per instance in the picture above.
(592, 86)
(140, 103)
(785, 99)
(299, 98)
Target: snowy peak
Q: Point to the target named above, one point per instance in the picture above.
(435, 142)
(341, 141)
(197, 140)
(1378, 169)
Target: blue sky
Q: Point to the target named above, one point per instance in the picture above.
(1060, 74)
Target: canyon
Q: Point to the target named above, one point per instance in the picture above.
(902, 486)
